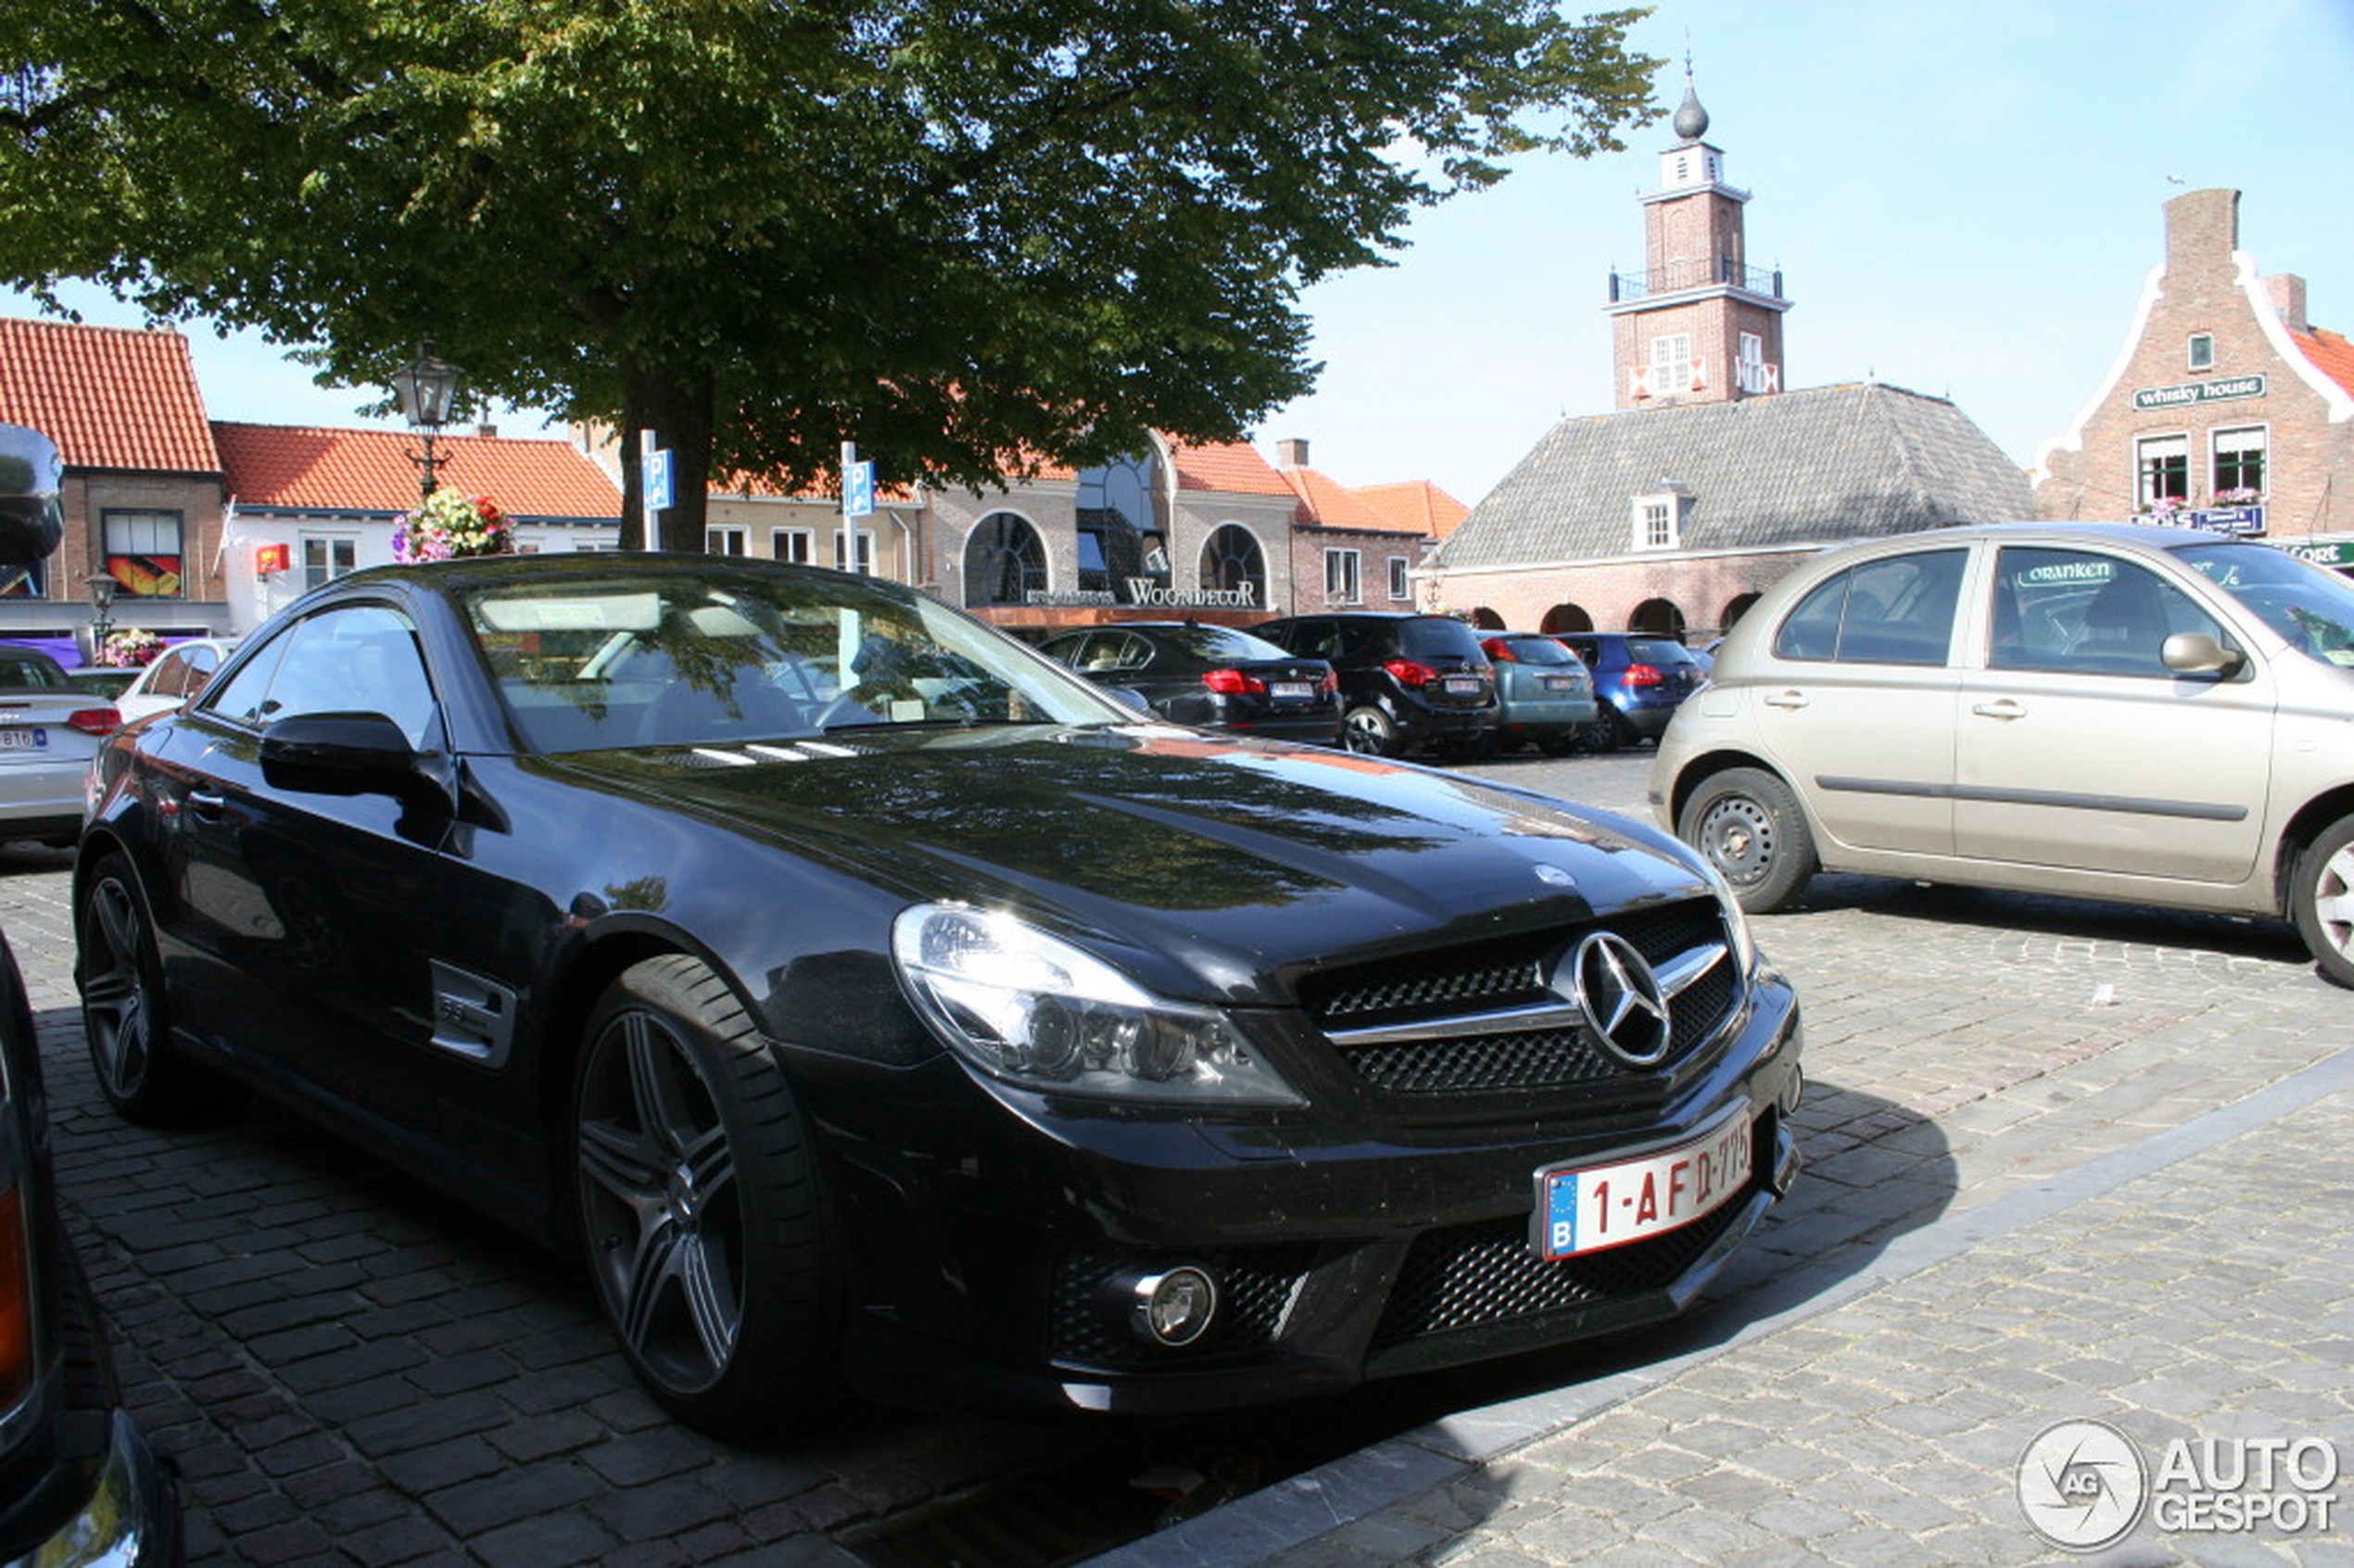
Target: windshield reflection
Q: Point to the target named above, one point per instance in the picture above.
(2309, 606)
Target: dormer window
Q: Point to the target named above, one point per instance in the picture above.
(2202, 351)
(1659, 519)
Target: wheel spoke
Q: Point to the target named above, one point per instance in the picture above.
(625, 1163)
(710, 1301)
(653, 1267)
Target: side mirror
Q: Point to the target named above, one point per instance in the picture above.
(2195, 654)
(342, 754)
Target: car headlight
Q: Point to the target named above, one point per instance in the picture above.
(1035, 1010)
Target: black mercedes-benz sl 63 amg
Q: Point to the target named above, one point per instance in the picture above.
(874, 1004)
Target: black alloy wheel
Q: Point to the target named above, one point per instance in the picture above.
(706, 1236)
(124, 1019)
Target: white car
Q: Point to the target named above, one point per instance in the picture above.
(177, 674)
(49, 730)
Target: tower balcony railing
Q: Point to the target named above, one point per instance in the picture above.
(1720, 271)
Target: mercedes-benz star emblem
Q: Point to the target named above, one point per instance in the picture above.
(1615, 989)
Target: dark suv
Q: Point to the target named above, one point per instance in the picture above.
(1639, 680)
(1408, 682)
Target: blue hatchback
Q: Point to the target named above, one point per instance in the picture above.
(1640, 679)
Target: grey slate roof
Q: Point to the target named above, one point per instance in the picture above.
(1790, 468)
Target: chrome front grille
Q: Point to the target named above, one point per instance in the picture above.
(1483, 1016)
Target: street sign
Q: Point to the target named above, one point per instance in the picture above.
(858, 489)
(660, 493)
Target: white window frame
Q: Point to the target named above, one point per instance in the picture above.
(1344, 576)
(1399, 588)
(1657, 523)
(866, 548)
(2260, 444)
(319, 573)
(2198, 352)
(2147, 446)
(727, 538)
(795, 546)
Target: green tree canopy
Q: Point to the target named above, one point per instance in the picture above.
(971, 236)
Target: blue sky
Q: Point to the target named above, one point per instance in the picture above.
(1964, 199)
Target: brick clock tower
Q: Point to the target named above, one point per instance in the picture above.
(1698, 325)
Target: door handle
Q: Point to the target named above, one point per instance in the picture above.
(1791, 699)
(205, 803)
(2000, 708)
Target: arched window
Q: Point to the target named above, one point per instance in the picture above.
(1566, 618)
(1005, 561)
(1119, 537)
(1231, 559)
(1737, 607)
(1487, 619)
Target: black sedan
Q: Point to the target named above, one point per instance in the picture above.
(871, 1001)
(1216, 677)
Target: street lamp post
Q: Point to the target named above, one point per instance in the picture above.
(427, 387)
(101, 586)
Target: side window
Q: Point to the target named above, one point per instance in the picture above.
(354, 659)
(2080, 613)
(1899, 611)
(171, 678)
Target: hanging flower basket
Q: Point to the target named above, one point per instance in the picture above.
(130, 648)
(450, 523)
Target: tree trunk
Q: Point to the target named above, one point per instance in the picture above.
(676, 405)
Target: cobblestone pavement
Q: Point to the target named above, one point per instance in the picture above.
(2065, 1162)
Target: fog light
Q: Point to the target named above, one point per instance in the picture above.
(1174, 1307)
(1794, 1091)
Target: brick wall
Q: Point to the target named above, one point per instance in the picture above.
(1702, 588)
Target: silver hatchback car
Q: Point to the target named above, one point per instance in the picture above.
(2155, 714)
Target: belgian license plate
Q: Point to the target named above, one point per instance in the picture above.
(15, 740)
(1290, 691)
(1463, 686)
(1586, 1209)
(1559, 683)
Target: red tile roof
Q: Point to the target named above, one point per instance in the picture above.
(1417, 505)
(1225, 465)
(1328, 503)
(296, 466)
(108, 397)
(2331, 351)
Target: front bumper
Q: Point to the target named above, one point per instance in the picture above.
(1340, 1254)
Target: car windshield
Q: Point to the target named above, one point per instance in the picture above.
(1434, 638)
(666, 659)
(23, 670)
(2311, 607)
(1655, 651)
(1537, 650)
(1220, 642)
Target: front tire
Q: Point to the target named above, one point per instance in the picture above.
(2321, 901)
(125, 1018)
(708, 1238)
(1752, 829)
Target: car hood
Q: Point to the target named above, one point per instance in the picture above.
(1238, 862)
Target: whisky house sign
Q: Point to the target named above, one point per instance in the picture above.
(2198, 392)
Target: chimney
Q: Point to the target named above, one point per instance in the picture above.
(487, 431)
(2288, 298)
(1291, 453)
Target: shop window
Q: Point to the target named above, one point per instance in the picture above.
(325, 559)
(795, 545)
(1344, 581)
(2162, 470)
(2239, 466)
(2202, 351)
(1005, 561)
(145, 554)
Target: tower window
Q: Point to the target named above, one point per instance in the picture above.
(2202, 350)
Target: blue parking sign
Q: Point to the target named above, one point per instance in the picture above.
(858, 489)
(659, 493)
